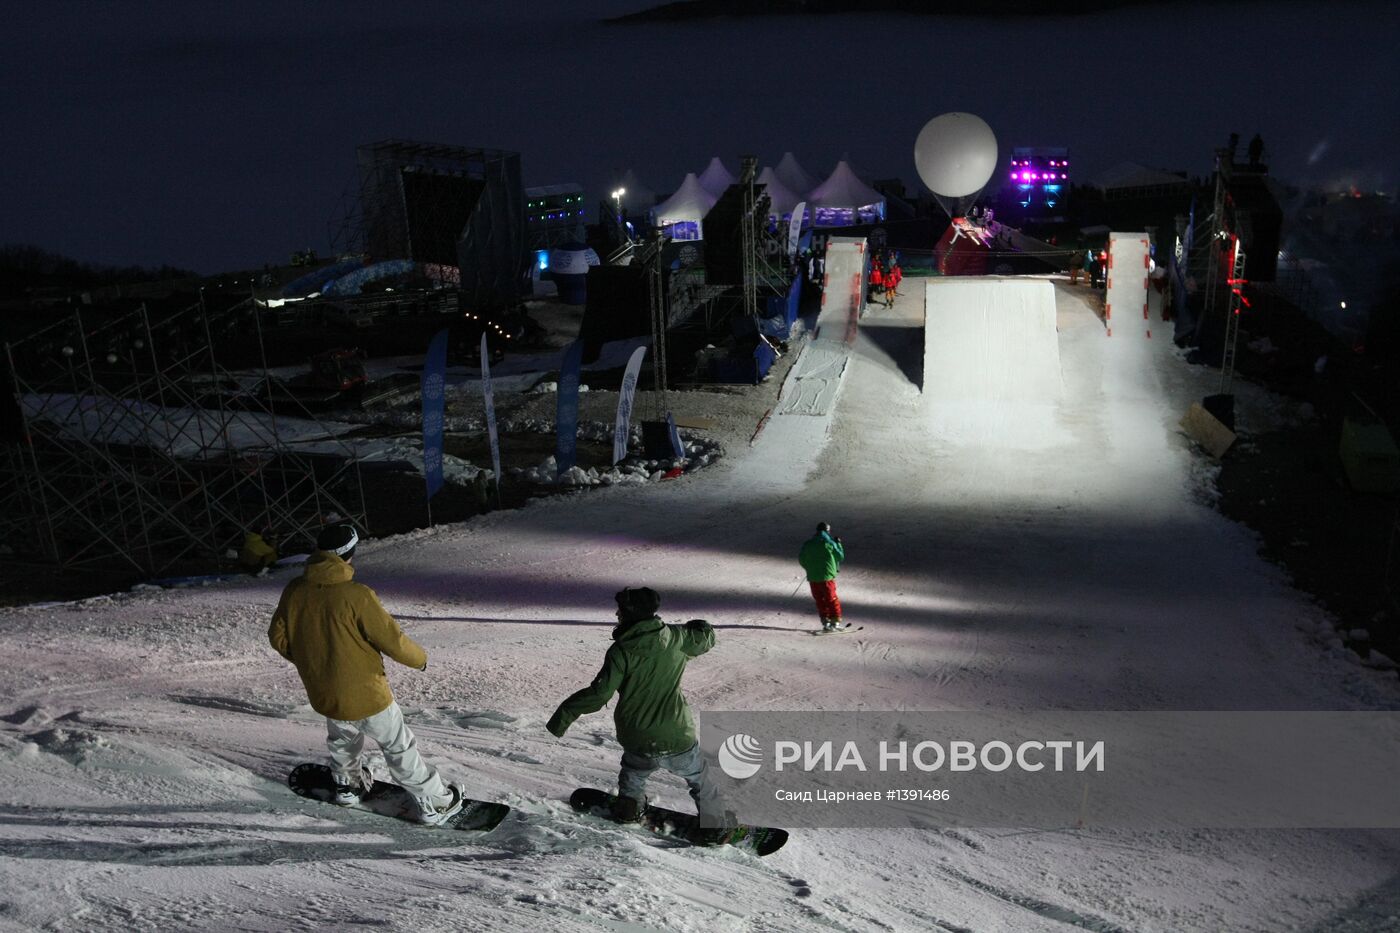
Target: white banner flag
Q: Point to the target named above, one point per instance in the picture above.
(490, 415)
(622, 428)
(795, 227)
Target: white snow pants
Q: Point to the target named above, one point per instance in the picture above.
(346, 741)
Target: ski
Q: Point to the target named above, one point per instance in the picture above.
(836, 631)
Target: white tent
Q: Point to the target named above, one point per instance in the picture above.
(684, 210)
(637, 196)
(843, 199)
(780, 197)
(794, 176)
(716, 177)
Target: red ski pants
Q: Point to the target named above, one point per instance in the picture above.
(824, 592)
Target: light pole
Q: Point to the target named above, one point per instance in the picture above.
(617, 205)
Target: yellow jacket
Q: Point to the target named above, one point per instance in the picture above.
(256, 552)
(334, 630)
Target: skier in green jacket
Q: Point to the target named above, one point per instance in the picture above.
(654, 725)
(821, 556)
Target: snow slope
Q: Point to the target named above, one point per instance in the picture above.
(145, 738)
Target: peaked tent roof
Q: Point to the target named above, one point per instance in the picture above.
(716, 177)
(844, 190)
(637, 197)
(781, 199)
(1133, 175)
(794, 176)
(691, 202)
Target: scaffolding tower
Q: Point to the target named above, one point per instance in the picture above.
(138, 451)
(1237, 303)
(650, 257)
(439, 204)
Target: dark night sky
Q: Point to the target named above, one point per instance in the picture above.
(219, 136)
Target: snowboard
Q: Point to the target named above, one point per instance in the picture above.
(838, 631)
(316, 782)
(760, 840)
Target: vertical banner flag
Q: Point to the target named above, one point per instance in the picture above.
(434, 369)
(490, 415)
(622, 428)
(795, 227)
(566, 412)
(674, 434)
(1180, 268)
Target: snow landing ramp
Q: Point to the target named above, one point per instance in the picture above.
(815, 380)
(792, 436)
(992, 361)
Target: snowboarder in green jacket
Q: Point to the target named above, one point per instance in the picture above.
(655, 727)
(821, 556)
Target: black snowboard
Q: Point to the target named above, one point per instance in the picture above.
(315, 782)
(761, 840)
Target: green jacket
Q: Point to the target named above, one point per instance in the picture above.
(644, 667)
(335, 631)
(821, 557)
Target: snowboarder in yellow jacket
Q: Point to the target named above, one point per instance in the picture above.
(335, 631)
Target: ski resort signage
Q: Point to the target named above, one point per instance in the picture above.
(622, 426)
(434, 373)
(1139, 770)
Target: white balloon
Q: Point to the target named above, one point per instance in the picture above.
(956, 154)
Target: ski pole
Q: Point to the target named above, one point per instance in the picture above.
(796, 588)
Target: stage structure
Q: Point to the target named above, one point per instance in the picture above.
(442, 205)
(741, 249)
(136, 453)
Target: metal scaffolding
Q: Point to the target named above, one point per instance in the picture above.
(444, 205)
(138, 449)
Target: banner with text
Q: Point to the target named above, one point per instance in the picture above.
(566, 412)
(795, 227)
(1140, 770)
(622, 427)
(490, 415)
(434, 373)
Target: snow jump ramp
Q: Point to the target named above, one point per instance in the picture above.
(992, 360)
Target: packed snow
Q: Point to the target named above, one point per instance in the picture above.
(145, 737)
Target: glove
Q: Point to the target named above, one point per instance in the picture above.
(698, 625)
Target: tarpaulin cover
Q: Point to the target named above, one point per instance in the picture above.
(317, 280)
(354, 282)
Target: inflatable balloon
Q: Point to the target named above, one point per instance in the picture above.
(956, 154)
(568, 267)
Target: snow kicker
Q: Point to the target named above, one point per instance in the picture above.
(991, 340)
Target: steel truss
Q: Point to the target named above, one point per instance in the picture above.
(139, 450)
(444, 205)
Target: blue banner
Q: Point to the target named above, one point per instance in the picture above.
(566, 414)
(677, 446)
(434, 370)
(490, 415)
(1181, 262)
